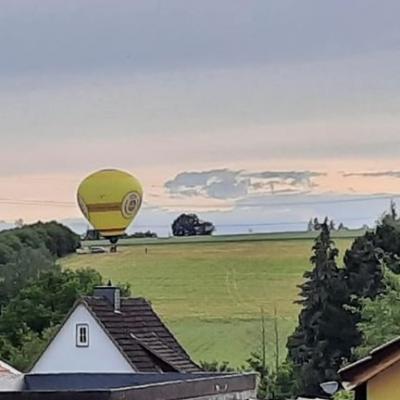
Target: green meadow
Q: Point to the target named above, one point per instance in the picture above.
(211, 293)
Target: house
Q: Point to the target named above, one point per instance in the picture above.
(118, 348)
(105, 333)
(377, 376)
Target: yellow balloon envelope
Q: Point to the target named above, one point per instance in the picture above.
(110, 200)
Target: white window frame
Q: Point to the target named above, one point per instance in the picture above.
(78, 341)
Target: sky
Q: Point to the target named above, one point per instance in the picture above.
(257, 115)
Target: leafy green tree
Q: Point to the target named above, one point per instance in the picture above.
(326, 333)
(35, 294)
(27, 251)
(23, 357)
(380, 318)
(59, 239)
(6, 253)
(44, 302)
(24, 265)
(344, 395)
(28, 237)
(6, 349)
(11, 240)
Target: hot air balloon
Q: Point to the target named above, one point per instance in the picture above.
(110, 200)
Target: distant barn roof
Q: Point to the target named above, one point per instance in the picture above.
(141, 336)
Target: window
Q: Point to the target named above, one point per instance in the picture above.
(82, 335)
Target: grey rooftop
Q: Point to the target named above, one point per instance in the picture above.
(137, 386)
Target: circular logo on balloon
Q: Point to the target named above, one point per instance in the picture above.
(83, 207)
(130, 205)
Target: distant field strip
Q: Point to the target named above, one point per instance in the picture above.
(211, 293)
(342, 234)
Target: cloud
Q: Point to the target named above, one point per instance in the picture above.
(148, 34)
(377, 174)
(236, 184)
(294, 178)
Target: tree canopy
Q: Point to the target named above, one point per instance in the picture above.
(35, 293)
(191, 225)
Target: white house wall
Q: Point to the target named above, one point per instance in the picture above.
(62, 355)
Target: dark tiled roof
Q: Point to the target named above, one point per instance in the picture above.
(141, 335)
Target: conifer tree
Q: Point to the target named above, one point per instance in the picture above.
(326, 332)
(363, 270)
(363, 262)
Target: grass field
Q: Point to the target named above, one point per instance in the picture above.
(211, 294)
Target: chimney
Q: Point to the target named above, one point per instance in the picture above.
(111, 293)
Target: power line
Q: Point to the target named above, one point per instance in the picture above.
(70, 204)
(316, 202)
(29, 202)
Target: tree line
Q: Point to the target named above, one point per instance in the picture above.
(35, 293)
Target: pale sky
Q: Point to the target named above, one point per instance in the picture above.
(214, 105)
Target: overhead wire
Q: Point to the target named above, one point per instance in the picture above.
(44, 202)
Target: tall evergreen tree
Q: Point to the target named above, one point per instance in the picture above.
(364, 261)
(363, 270)
(387, 239)
(326, 332)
